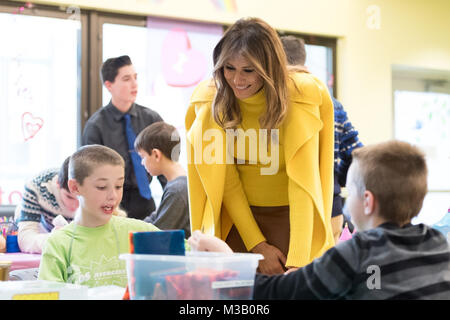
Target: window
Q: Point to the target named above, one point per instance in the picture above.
(170, 58)
(39, 97)
(421, 99)
(320, 58)
(423, 119)
(163, 86)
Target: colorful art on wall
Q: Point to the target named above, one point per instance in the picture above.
(182, 65)
(225, 5)
(180, 56)
(30, 125)
(38, 96)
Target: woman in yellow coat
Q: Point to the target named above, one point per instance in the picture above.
(260, 152)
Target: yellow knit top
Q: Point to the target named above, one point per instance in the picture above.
(264, 190)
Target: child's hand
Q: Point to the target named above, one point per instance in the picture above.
(2, 244)
(202, 242)
(289, 270)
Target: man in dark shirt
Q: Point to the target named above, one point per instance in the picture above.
(107, 127)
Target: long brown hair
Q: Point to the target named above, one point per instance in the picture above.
(259, 43)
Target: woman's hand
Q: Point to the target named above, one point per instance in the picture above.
(274, 259)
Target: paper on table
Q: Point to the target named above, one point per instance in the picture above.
(110, 292)
(59, 221)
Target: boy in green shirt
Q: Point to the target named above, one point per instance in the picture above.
(86, 251)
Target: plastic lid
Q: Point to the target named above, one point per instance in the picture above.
(192, 256)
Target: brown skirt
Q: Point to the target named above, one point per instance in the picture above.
(274, 225)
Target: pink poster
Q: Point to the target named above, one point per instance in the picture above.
(179, 57)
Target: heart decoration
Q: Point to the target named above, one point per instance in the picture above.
(182, 65)
(30, 125)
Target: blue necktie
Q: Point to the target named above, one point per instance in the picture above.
(139, 170)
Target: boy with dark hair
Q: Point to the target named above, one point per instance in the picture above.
(389, 258)
(159, 147)
(116, 126)
(111, 67)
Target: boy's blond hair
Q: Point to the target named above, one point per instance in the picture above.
(83, 162)
(396, 173)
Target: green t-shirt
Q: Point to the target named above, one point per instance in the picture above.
(90, 256)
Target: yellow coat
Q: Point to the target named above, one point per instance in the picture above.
(308, 131)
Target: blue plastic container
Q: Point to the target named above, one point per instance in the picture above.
(11, 243)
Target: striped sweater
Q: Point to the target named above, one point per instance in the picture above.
(41, 201)
(387, 262)
(345, 141)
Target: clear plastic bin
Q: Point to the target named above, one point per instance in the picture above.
(195, 276)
